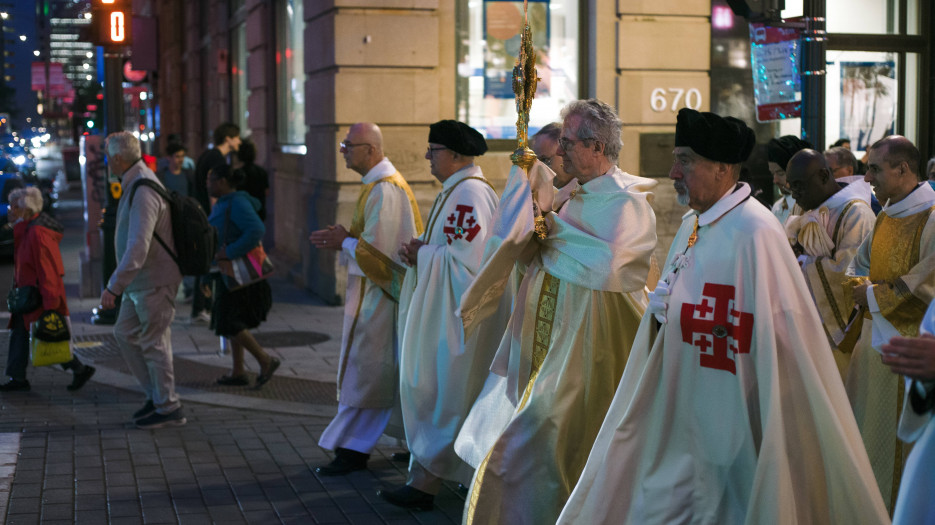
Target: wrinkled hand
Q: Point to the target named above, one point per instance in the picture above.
(108, 300)
(659, 301)
(330, 238)
(860, 294)
(409, 251)
(913, 357)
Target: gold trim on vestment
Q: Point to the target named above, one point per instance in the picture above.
(838, 318)
(545, 318)
(895, 251)
(437, 210)
(826, 286)
(383, 271)
(350, 336)
(376, 265)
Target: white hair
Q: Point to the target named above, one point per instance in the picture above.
(599, 122)
(29, 199)
(124, 144)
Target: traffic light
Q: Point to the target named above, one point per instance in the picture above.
(112, 21)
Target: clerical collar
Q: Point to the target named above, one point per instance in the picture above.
(729, 201)
(922, 197)
(384, 168)
(857, 190)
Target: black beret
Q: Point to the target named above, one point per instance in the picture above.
(458, 137)
(782, 149)
(717, 138)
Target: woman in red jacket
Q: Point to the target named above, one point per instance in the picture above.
(37, 262)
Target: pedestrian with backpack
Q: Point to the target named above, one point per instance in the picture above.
(146, 278)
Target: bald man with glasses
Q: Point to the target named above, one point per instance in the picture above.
(386, 216)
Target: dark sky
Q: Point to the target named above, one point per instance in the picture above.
(23, 20)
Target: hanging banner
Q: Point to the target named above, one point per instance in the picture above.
(777, 87)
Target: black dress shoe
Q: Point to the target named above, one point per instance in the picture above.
(402, 457)
(80, 378)
(408, 498)
(15, 385)
(345, 461)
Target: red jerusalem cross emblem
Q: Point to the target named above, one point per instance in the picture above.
(462, 224)
(712, 328)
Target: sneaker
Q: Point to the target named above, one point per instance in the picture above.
(15, 385)
(202, 317)
(81, 377)
(148, 408)
(157, 420)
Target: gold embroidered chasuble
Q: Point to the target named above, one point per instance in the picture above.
(899, 258)
(575, 315)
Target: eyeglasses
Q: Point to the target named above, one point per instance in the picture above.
(567, 143)
(547, 161)
(430, 150)
(349, 145)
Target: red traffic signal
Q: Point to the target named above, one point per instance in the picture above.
(112, 22)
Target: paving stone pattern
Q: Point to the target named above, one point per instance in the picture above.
(82, 461)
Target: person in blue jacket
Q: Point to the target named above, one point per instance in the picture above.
(238, 311)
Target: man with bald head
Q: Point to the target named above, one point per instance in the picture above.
(385, 216)
(894, 281)
(826, 237)
(730, 409)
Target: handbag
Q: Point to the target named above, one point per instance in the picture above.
(23, 299)
(240, 272)
(49, 340)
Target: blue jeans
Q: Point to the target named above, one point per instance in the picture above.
(18, 356)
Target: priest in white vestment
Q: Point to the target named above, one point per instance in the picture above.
(730, 409)
(439, 376)
(575, 316)
(843, 166)
(386, 215)
(914, 357)
(836, 219)
(778, 153)
(894, 282)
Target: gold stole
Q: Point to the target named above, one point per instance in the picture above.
(545, 317)
(377, 266)
(895, 251)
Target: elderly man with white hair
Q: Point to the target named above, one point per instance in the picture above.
(38, 262)
(574, 319)
(147, 277)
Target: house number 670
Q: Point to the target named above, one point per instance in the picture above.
(672, 99)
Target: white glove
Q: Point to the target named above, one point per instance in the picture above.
(659, 301)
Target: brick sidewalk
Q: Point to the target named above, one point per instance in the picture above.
(244, 456)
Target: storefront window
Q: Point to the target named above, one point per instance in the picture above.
(240, 92)
(488, 39)
(290, 72)
(878, 17)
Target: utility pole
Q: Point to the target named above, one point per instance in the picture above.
(814, 47)
(112, 23)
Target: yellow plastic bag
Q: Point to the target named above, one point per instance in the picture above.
(45, 353)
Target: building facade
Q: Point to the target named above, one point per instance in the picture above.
(296, 74)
